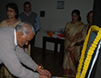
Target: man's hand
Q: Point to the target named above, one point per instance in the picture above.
(43, 72)
(44, 76)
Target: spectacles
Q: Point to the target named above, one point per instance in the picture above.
(27, 7)
(10, 11)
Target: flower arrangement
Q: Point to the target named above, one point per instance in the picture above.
(49, 33)
(83, 65)
(55, 34)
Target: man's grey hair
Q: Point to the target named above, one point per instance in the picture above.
(22, 28)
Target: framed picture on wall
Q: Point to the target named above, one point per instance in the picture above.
(60, 4)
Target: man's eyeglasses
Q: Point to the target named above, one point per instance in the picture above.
(27, 7)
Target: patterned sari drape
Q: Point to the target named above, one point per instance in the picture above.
(71, 57)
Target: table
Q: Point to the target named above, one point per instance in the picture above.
(56, 42)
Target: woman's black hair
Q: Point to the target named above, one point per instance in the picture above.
(78, 13)
(13, 6)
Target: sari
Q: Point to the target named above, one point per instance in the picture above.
(4, 24)
(4, 73)
(71, 58)
(85, 30)
(84, 33)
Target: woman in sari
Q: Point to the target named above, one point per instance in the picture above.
(12, 15)
(12, 21)
(87, 26)
(72, 52)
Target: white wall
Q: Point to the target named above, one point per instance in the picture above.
(54, 18)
